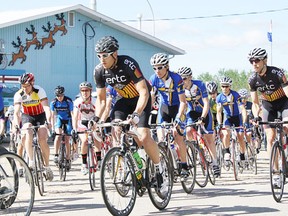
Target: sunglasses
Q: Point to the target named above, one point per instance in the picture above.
(158, 68)
(211, 93)
(254, 60)
(85, 90)
(225, 86)
(59, 95)
(185, 78)
(25, 86)
(104, 55)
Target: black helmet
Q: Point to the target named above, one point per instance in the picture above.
(59, 90)
(26, 78)
(107, 44)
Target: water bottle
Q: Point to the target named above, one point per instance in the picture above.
(138, 160)
(174, 152)
(138, 175)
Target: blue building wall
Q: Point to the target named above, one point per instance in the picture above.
(64, 63)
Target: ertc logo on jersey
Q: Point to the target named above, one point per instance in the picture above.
(266, 88)
(130, 64)
(116, 79)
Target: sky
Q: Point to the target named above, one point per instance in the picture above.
(215, 35)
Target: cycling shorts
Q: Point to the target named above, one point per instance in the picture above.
(34, 119)
(68, 125)
(192, 117)
(234, 120)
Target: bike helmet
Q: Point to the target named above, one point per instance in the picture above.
(26, 78)
(211, 87)
(107, 44)
(185, 71)
(85, 85)
(243, 93)
(159, 58)
(226, 81)
(257, 53)
(59, 90)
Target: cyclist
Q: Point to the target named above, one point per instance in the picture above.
(228, 102)
(33, 101)
(169, 86)
(212, 89)
(62, 111)
(272, 84)
(199, 110)
(84, 111)
(124, 75)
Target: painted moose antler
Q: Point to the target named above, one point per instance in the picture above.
(60, 27)
(48, 39)
(34, 40)
(20, 54)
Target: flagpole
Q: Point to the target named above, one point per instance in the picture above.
(271, 42)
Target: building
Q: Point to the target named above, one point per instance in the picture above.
(58, 46)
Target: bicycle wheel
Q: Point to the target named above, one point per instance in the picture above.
(159, 197)
(16, 193)
(235, 155)
(201, 167)
(208, 157)
(62, 162)
(251, 159)
(92, 167)
(189, 183)
(219, 152)
(277, 168)
(118, 182)
(39, 170)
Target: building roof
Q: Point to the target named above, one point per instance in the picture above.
(94, 15)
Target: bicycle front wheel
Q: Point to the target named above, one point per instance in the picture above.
(62, 162)
(92, 167)
(201, 167)
(251, 159)
(118, 182)
(189, 183)
(160, 197)
(17, 191)
(277, 171)
(235, 156)
(39, 170)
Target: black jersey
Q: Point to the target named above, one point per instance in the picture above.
(122, 77)
(269, 85)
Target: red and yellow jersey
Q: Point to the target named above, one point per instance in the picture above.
(31, 104)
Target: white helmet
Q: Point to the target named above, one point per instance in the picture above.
(159, 58)
(257, 53)
(226, 81)
(184, 71)
(243, 93)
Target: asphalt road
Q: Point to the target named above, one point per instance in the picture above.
(251, 195)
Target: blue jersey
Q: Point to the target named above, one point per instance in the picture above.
(195, 95)
(230, 103)
(111, 92)
(170, 89)
(63, 109)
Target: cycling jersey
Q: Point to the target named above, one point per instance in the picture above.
(87, 110)
(62, 108)
(122, 77)
(213, 105)
(31, 104)
(170, 89)
(110, 91)
(270, 84)
(230, 103)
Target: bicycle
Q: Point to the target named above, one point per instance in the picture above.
(121, 178)
(16, 193)
(203, 156)
(63, 164)
(278, 164)
(250, 156)
(235, 152)
(219, 151)
(92, 162)
(172, 151)
(38, 165)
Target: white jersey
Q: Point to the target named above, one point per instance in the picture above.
(86, 110)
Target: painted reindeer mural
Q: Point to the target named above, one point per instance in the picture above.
(34, 40)
(48, 39)
(20, 54)
(60, 27)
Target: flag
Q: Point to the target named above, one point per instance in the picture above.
(269, 36)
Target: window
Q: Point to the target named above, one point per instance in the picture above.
(71, 19)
